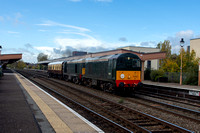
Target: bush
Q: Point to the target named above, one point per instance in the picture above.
(156, 74)
(191, 77)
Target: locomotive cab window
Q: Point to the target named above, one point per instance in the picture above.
(128, 63)
(135, 63)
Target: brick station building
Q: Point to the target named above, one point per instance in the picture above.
(9, 59)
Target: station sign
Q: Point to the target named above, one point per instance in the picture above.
(194, 93)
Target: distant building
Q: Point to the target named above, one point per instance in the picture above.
(150, 64)
(78, 53)
(195, 45)
(188, 48)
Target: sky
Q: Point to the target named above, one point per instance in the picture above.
(58, 27)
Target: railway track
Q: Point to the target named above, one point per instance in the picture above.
(104, 123)
(128, 118)
(186, 113)
(195, 103)
(170, 92)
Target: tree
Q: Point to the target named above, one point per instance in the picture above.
(21, 64)
(42, 57)
(170, 66)
(164, 47)
(17, 65)
(191, 68)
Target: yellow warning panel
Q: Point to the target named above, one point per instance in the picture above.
(83, 71)
(128, 75)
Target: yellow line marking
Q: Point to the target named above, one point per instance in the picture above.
(58, 125)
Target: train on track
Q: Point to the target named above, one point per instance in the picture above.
(118, 72)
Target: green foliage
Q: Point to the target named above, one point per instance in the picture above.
(121, 101)
(17, 65)
(156, 74)
(172, 63)
(165, 47)
(42, 57)
(170, 66)
(35, 67)
(191, 75)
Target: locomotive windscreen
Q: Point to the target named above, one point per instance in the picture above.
(128, 63)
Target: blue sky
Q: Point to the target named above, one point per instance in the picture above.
(56, 27)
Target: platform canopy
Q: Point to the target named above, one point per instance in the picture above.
(9, 59)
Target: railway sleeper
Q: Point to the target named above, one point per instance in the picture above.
(148, 124)
(162, 131)
(141, 121)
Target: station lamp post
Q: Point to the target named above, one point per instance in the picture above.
(181, 68)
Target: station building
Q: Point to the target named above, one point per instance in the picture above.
(8, 58)
(195, 45)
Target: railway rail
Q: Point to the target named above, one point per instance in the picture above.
(171, 92)
(131, 120)
(195, 103)
(186, 113)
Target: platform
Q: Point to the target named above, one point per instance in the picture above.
(193, 90)
(27, 108)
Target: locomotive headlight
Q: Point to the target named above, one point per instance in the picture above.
(122, 75)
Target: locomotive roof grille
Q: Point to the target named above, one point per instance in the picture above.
(101, 58)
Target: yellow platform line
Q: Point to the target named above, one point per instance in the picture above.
(58, 125)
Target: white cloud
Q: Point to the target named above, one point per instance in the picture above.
(1, 19)
(14, 18)
(77, 43)
(13, 32)
(175, 40)
(44, 49)
(52, 23)
(17, 17)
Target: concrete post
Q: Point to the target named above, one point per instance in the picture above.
(142, 71)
